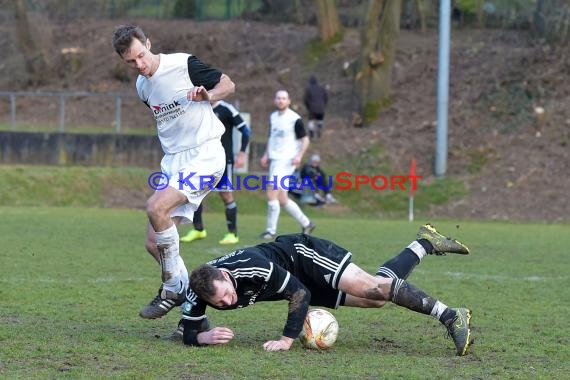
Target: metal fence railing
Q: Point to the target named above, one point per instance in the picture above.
(61, 99)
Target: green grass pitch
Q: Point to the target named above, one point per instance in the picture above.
(73, 280)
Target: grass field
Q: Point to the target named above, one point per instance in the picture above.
(73, 280)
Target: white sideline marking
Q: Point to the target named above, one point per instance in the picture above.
(481, 276)
(99, 280)
(219, 251)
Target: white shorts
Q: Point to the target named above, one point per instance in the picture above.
(226, 184)
(194, 172)
(280, 172)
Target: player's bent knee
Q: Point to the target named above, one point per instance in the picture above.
(152, 206)
(358, 283)
(152, 210)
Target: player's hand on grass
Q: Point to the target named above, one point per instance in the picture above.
(217, 335)
(282, 344)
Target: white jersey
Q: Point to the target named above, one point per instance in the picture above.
(181, 124)
(283, 140)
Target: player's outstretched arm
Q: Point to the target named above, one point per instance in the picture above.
(299, 297)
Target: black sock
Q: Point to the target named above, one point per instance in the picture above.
(231, 217)
(400, 266)
(447, 316)
(406, 295)
(197, 219)
(426, 244)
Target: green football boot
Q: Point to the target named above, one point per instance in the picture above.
(441, 244)
(194, 235)
(229, 238)
(460, 331)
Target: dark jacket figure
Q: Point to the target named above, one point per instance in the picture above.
(315, 100)
(312, 184)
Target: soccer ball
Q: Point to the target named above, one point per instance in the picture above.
(320, 330)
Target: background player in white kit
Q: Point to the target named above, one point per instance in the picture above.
(286, 145)
(179, 89)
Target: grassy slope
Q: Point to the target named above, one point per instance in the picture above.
(101, 187)
(73, 280)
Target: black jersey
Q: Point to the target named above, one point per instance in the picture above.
(299, 268)
(230, 117)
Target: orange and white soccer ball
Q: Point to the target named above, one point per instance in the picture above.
(320, 330)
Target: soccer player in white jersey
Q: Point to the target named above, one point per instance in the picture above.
(179, 89)
(286, 145)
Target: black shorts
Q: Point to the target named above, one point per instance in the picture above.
(319, 264)
(226, 184)
(316, 116)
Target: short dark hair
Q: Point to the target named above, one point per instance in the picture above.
(124, 35)
(202, 280)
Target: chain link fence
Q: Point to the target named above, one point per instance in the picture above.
(73, 111)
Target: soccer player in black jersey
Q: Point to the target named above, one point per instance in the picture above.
(230, 117)
(306, 270)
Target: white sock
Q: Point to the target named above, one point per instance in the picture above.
(168, 248)
(273, 210)
(183, 273)
(418, 249)
(295, 211)
(438, 309)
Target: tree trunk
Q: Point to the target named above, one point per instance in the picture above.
(423, 9)
(35, 61)
(329, 22)
(164, 10)
(380, 32)
(552, 20)
(299, 16)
